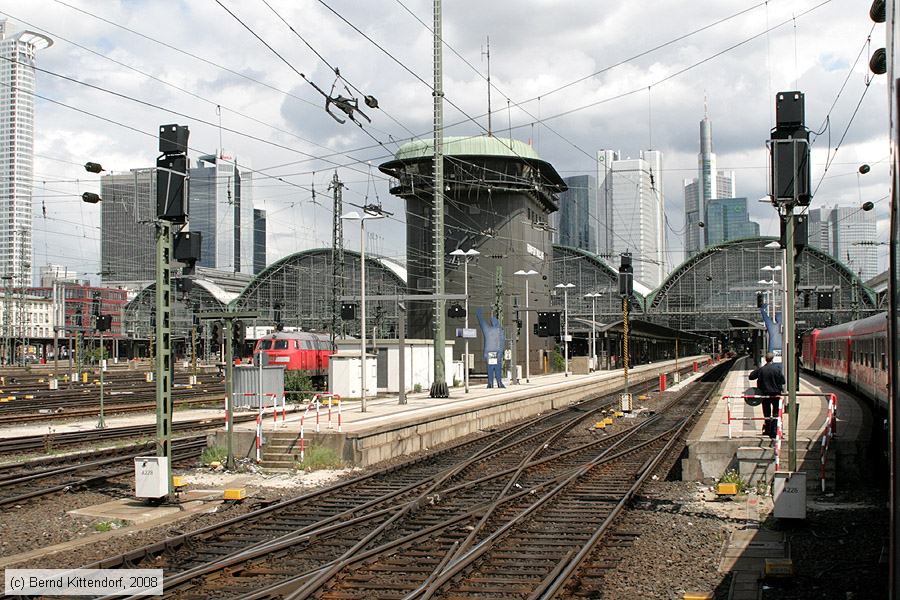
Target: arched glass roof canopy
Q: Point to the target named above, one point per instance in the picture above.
(590, 274)
(721, 283)
(301, 284)
(205, 295)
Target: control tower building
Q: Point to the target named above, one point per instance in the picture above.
(498, 198)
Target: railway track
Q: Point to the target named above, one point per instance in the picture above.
(22, 482)
(69, 438)
(127, 393)
(268, 549)
(523, 543)
(141, 403)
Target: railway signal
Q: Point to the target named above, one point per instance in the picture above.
(225, 321)
(172, 195)
(626, 288)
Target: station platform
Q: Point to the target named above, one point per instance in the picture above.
(388, 430)
(710, 451)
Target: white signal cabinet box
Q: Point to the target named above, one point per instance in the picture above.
(151, 476)
(789, 494)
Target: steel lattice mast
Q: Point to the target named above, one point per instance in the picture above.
(337, 255)
(439, 385)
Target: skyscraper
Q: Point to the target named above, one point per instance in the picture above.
(727, 219)
(127, 236)
(846, 233)
(17, 87)
(605, 160)
(576, 223)
(259, 241)
(710, 184)
(638, 215)
(221, 208)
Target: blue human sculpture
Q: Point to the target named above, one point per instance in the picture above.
(774, 328)
(494, 343)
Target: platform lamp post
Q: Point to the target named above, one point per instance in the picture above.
(526, 275)
(565, 288)
(466, 256)
(593, 296)
(362, 218)
(771, 270)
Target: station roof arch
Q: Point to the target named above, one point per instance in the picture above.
(300, 283)
(591, 274)
(721, 283)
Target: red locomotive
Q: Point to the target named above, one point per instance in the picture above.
(297, 351)
(854, 353)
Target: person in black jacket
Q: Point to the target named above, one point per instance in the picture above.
(769, 382)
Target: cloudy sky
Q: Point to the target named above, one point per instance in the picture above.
(638, 74)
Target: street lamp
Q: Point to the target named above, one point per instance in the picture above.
(770, 271)
(593, 296)
(526, 275)
(466, 256)
(362, 218)
(565, 288)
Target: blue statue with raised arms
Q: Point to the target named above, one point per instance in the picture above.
(494, 343)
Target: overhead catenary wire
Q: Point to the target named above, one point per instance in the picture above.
(642, 88)
(293, 68)
(332, 67)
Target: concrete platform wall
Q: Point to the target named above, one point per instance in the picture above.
(401, 438)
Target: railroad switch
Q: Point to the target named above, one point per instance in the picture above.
(608, 420)
(600, 424)
(235, 494)
(779, 568)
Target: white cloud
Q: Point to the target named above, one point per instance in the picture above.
(536, 46)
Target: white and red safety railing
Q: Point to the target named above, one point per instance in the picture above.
(315, 404)
(730, 415)
(262, 406)
(829, 431)
(779, 433)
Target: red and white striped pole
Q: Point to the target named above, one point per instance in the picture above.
(834, 414)
(339, 411)
(779, 433)
(258, 432)
(728, 408)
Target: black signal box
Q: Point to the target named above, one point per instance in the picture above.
(173, 139)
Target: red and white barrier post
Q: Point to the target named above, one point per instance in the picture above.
(258, 432)
(662, 382)
(779, 433)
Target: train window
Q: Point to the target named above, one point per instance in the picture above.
(281, 344)
(265, 345)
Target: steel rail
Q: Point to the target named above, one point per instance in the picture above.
(322, 528)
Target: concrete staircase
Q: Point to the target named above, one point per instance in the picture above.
(757, 463)
(281, 450)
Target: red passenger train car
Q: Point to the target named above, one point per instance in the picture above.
(298, 351)
(853, 353)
